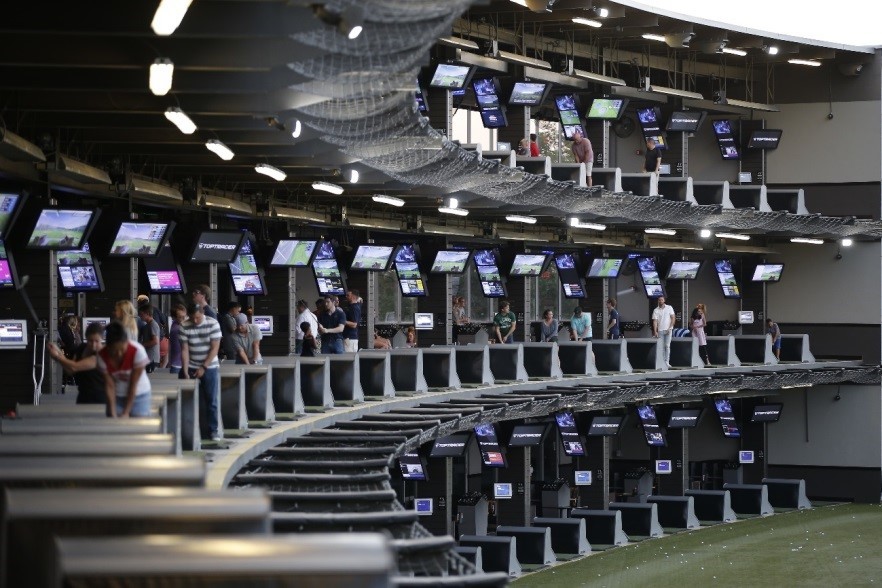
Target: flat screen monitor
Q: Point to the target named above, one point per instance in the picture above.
(244, 262)
(249, 284)
(684, 418)
(570, 279)
(420, 99)
(101, 320)
(746, 456)
(745, 317)
(605, 267)
(423, 321)
(8, 275)
(649, 116)
(569, 434)
(652, 283)
(328, 277)
(502, 490)
(528, 264)
(684, 270)
(413, 466)
(605, 425)
(410, 279)
(727, 278)
(488, 273)
(293, 253)
(450, 76)
(582, 477)
(764, 139)
(494, 119)
(216, 246)
(528, 93)
(164, 275)
(140, 239)
(486, 93)
(488, 444)
(450, 446)
(424, 506)
(568, 111)
(503, 145)
(687, 121)
(372, 258)
(527, 435)
(655, 435)
(62, 229)
(766, 413)
(10, 206)
(727, 418)
(450, 262)
(78, 271)
(607, 108)
(663, 466)
(726, 139)
(13, 334)
(264, 324)
(768, 272)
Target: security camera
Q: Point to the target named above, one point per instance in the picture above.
(830, 116)
(838, 397)
(838, 256)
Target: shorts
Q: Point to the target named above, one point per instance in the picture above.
(589, 167)
(777, 344)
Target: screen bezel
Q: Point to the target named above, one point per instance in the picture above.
(416, 324)
(266, 319)
(693, 277)
(23, 342)
(169, 227)
(93, 218)
(618, 115)
(752, 139)
(779, 405)
(470, 70)
(387, 263)
(315, 248)
(759, 265)
(465, 264)
(532, 103)
(233, 252)
(497, 495)
(430, 502)
(662, 471)
(261, 278)
(21, 197)
(746, 456)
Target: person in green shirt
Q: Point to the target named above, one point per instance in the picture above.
(504, 323)
(580, 325)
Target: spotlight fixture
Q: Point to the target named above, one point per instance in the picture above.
(273, 172)
(219, 149)
(847, 242)
(704, 233)
(809, 62)
(452, 202)
(771, 49)
(735, 236)
(298, 128)
(578, 224)
(177, 117)
(390, 200)
(587, 22)
(327, 187)
(168, 16)
(655, 231)
(161, 72)
(602, 12)
(352, 21)
(517, 218)
(653, 37)
(807, 240)
(733, 51)
(353, 176)
(453, 210)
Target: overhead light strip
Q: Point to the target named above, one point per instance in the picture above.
(521, 59)
(273, 172)
(178, 118)
(161, 72)
(518, 218)
(390, 200)
(327, 187)
(807, 241)
(599, 78)
(675, 92)
(809, 62)
(454, 211)
(588, 22)
(578, 224)
(655, 231)
(459, 43)
(732, 51)
(735, 236)
(220, 149)
(653, 37)
(168, 16)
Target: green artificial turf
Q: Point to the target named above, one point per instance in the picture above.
(828, 546)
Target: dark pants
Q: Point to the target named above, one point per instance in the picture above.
(702, 353)
(208, 403)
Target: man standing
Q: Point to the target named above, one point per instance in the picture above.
(534, 146)
(331, 324)
(202, 296)
(200, 344)
(353, 317)
(774, 330)
(304, 315)
(148, 337)
(505, 323)
(652, 162)
(228, 324)
(613, 327)
(583, 153)
(663, 320)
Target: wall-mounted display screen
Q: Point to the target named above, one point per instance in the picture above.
(328, 276)
(684, 270)
(528, 93)
(486, 93)
(420, 98)
(216, 246)
(650, 122)
(78, 271)
(450, 446)
(527, 435)
(727, 278)
(10, 205)
(655, 435)
(766, 413)
(604, 267)
(684, 418)
(568, 111)
(450, 76)
(8, 275)
(503, 490)
(527, 264)
(62, 229)
(450, 262)
(293, 253)
(607, 108)
(746, 456)
(649, 274)
(244, 262)
(413, 466)
(164, 274)
(686, 121)
(494, 119)
(764, 139)
(374, 258)
(140, 239)
(726, 139)
(488, 443)
(570, 279)
(727, 417)
(605, 425)
(248, 284)
(768, 272)
(569, 434)
(410, 278)
(488, 273)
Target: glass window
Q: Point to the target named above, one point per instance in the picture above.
(548, 292)
(388, 297)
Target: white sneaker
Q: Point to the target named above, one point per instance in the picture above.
(215, 436)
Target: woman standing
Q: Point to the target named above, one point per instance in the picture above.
(697, 325)
(124, 313)
(459, 317)
(122, 362)
(548, 328)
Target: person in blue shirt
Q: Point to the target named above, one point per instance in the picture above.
(580, 325)
(614, 327)
(331, 324)
(353, 317)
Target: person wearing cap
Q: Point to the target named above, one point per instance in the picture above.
(202, 296)
(200, 343)
(304, 315)
(580, 325)
(246, 341)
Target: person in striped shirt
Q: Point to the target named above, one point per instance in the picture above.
(200, 342)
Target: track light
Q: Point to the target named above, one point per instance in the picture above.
(273, 172)
(809, 62)
(161, 72)
(578, 224)
(219, 149)
(327, 187)
(735, 236)
(452, 210)
(587, 22)
(298, 128)
(847, 242)
(517, 218)
(654, 231)
(177, 117)
(704, 233)
(807, 240)
(390, 200)
(168, 16)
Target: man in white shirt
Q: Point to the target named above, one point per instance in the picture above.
(663, 320)
(303, 315)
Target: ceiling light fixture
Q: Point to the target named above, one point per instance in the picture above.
(219, 149)
(327, 187)
(352, 21)
(354, 176)
(676, 92)
(807, 240)
(168, 16)
(301, 215)
(177, 117)
(704, 233)
(578, 224)
(18, 148)
(752, 105)
(847, 242)
(223, 203)
(390, 200)
(453, 210)
(161, 72)
(732, 51)
(587, 22)
(735, 236)
(517, 58)
(153, 192)
(80, 171)
(452, 202)
(655, 231)
(771, 49)
(653, 37)
(602, 12)
(273, 172)
(459, 43)
(600, 79)
(298, 128)
(809, 62)
(518, 218)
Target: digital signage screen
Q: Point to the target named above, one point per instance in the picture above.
(328, 277)
(494, 119)
(684, 418)
(568, 111)
(488, 443)
(526, 264)
(450, 262)
(607, 108)
(374, 258)
(244, 262)
(528, 93)
(410, 279)
(685, 121)
(766, 413)
(655, 435)
(62, 229)
(413, 466)
(450, 446)
(10, 205)
(605, 267)
(216, 246)
(726, 139)
(527, 435)
(727, 418)
(684, 270)
(140, 239)
(764, 139)
(651, 281)
(293, 253)
(78, 272)
(570, 280)
(488, 273)
(164, 274)
(650, 123)
(569, 434)
(727, 278)
(605, 425)
(452, 77)
(768, 272)
(8, 275)
(248, 284)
